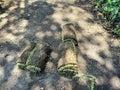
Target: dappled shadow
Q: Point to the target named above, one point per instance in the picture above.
(19, 23)
(100, 60)
(42, 21)
(29, 22)
(9, 46)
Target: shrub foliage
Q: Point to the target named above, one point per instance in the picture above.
(111, 10)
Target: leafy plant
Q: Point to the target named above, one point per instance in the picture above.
(111, 10)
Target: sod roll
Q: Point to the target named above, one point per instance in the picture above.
(67, 64)
(38, 57)
(69, 32)
(24, 56)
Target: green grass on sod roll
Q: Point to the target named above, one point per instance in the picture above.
(31, 55)
(31, 67)
(34, 58)
(38, 57)
(72, 40)
(90, 77)
(67, 29)
(75, 43)
(68, 70)
(20, 65)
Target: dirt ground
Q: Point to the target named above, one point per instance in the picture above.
(36, 20)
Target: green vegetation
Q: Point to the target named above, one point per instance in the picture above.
(33, 68)
(31, 55)
(71, 40)
(90, 77)
(111, 10)
(68, 70)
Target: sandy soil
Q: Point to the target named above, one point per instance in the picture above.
(36, 20)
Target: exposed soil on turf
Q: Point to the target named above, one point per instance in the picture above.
(36, 20)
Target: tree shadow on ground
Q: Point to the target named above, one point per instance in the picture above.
(28, 22)
(41, 21)
(21, 22)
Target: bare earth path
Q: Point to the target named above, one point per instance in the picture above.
(35, 20)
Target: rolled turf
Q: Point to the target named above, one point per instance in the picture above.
(35, 57)
(38, 57)
(67, 64)
(69, 31)
(24, 56)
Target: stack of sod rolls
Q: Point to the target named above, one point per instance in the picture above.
(34, 58)
(67, 64)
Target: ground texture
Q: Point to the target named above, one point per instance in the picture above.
(36, 20)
